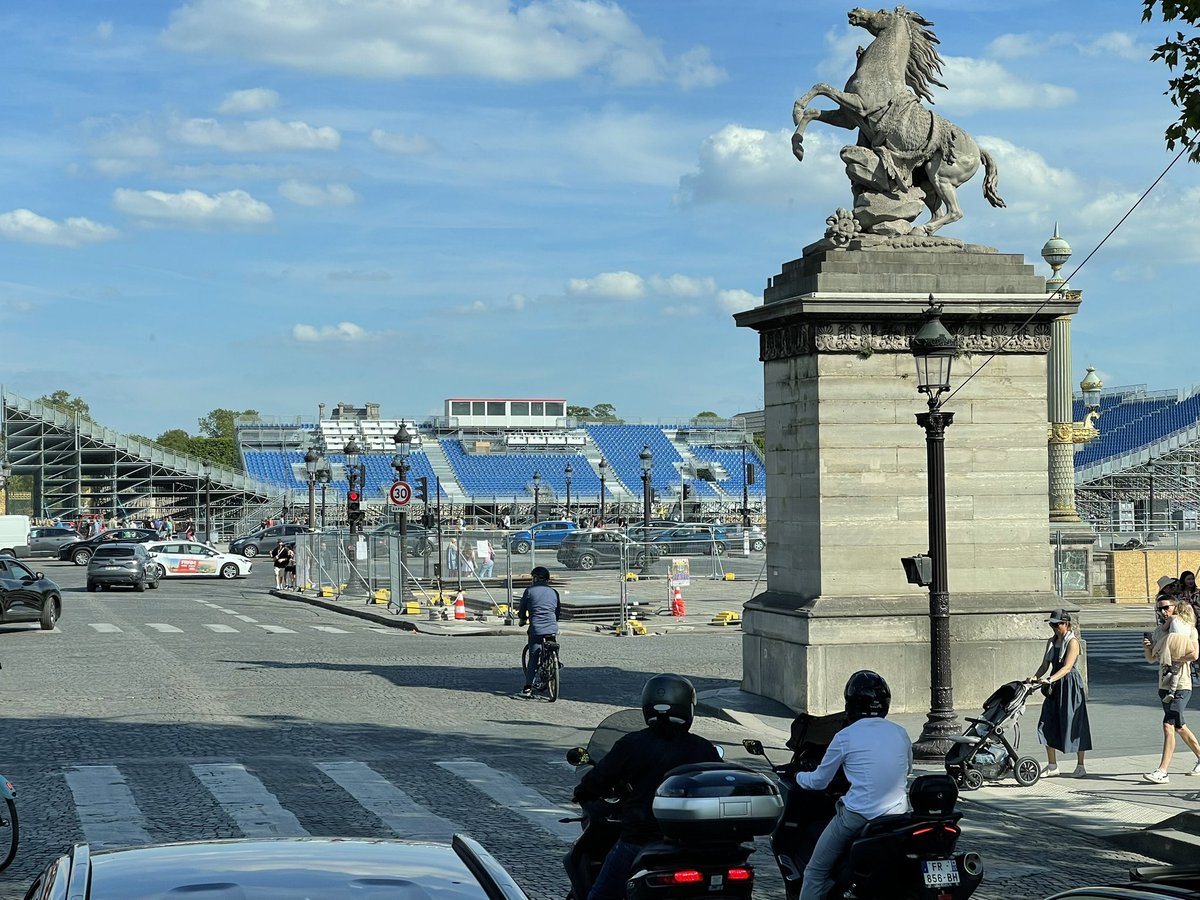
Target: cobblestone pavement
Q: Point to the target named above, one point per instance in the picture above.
(210, 709)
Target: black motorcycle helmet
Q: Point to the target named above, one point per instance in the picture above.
(669, 701)
(867, 696)
(539, 573)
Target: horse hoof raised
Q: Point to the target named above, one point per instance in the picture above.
(798, 147)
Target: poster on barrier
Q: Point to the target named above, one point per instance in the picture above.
(680, 572)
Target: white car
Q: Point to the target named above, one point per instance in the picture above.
(187, 559)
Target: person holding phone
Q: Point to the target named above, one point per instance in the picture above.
(1174, 645)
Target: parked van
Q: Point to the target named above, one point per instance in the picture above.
(14, 535)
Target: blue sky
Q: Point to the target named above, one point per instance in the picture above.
(220, 203)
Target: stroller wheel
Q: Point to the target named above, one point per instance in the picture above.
(972, 780)
(1027, 771)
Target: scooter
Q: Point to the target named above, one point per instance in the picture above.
(908, 855)
(707, 812)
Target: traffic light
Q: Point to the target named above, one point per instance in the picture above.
(353, 505)
(751, 475)
(422, 492)
(687, 492)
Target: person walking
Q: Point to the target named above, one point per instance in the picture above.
(289, 569)
(487, 560)
(1174, 645)
(1063, 726)
(279, 557)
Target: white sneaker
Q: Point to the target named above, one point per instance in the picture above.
(1158, 776)
(1195, 770)
(1080, 772)
(1049, 771)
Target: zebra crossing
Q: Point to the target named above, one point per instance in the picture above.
(1114, 646)
(109, 801)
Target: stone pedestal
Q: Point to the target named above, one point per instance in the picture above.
(847, 490)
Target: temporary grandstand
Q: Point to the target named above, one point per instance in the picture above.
(494, 456)
(1141, 473)
(79, 467)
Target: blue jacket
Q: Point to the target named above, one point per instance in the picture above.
(540, 607)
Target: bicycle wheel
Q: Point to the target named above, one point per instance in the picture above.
(8, 834)
(551, 676)
(525, 658)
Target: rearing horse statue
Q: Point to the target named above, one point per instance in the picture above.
(906, 155)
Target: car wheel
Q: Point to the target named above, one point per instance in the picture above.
(587, 562)
(139, 585)
(719, 549)
(521, 548)
(229, 570)
(159, 571)
(81, 557)
(249, 550)
(758, 545)
(51, 609)
(639, 561)
(153, 585)
(92, 586)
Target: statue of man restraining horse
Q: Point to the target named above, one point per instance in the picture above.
(907, 158)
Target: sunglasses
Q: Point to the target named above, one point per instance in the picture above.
(1165, 608)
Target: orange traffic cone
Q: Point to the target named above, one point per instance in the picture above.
(677, 607)
(460, 606)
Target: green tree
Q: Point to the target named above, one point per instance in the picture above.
(606, 412)
(707, 414)
(219, 422)
(67, 403)
(579, 412)
(177, 440)
(1181, 53)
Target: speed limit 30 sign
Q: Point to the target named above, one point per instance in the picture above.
(399, 493)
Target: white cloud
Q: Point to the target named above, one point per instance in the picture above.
(977, 84)
(305, 194)
(193, 207)
(517, 302)
(251, 100)
(402, 144)
(342, 332)
(687, 309)
(534, 41)
(104, 30)
(255, 137)
(1120, 44)
(682, 286)
(617, 285)
(28, 226)
(1018, 46)
(755, 167)
(736, 300)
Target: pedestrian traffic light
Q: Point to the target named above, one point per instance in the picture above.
(423, 489)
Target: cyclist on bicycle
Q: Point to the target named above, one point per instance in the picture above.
(540, 608)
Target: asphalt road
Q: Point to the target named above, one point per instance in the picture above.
(211, 709)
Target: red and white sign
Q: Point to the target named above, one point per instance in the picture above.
(399, 493)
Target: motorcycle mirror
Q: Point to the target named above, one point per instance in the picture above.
(720, 750)
(754, 748)
(577, 756)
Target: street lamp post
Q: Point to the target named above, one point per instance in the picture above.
(567, 473)
(646, 458)
(537, 494)
(603, 467)
(310, 467)
(355, 476)
(6, 471)
(745, 485)
(933, 348)
(403, 441)
(207, 469)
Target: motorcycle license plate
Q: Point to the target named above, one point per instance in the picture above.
(939, 872)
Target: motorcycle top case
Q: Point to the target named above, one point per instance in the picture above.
(716, 802)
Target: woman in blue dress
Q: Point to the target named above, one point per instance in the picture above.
(1063, 726)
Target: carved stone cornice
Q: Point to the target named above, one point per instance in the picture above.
(868, 337)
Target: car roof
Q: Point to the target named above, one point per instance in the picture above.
(294, 868)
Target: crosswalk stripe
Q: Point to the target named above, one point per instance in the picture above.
(513, 795)
(329, 629)
(276, 629)
(247, 801)
(394, 808)
(105, 627)
(247, 619)
(106, 808)
(222, 629)
(163, 627)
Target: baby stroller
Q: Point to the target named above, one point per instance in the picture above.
(984, 751)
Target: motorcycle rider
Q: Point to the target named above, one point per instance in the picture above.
(639, 762)
(876, 756)
(540, 607)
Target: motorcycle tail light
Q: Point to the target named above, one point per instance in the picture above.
(921, 831)
(739, 874)
(683, 876)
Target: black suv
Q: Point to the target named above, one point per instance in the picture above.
(27, 596)
(81, 552)
(418, 541)
(125, 564)
(602, 549)
(265, 539)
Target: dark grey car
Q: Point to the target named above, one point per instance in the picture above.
(264, 540)
(45, 540)
(129, 565)
(602, 549)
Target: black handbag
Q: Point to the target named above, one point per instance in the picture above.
(1048, 689)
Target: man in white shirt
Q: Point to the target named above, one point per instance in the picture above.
(876, 756)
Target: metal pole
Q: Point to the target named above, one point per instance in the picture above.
(322, 504)
(941, 723)
(537, 493)
(745, 493)
(312, 500)
(208, 535)
(601, 496)
(437, 483)
(403, 536)
(645, 521)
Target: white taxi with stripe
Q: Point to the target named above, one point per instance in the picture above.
(188, 559)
